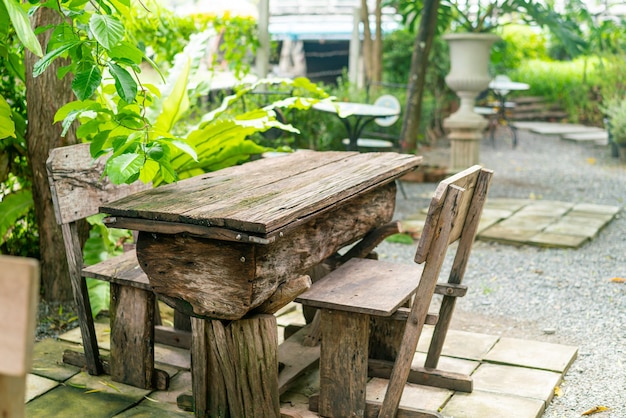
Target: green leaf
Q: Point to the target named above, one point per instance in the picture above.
(21, 24)
(86, 81)
(107, 30)
(13, 207)
(400, 239)
(149, 171)
(73, 106)
(7, 126)
(126, 50)
(177, 102)
(124, 84)
(123, 168)
(186, 148)
(41, 65)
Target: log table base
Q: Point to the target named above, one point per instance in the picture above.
(235, 367)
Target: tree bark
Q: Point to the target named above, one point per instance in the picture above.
(45, 95)
(368, 48)
(417, 75)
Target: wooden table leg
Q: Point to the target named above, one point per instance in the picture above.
(235, 367)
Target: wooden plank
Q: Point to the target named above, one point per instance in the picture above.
(122, 269)
(77, 186)
(365, 286)
(343, 364)
(171, 336)
(19, 289)
(161, 379)
(132, 336)
(260, 201)
(295, 358)
(422, 376)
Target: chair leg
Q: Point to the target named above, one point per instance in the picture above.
(440, 331)
(132, 336)
(343, 363)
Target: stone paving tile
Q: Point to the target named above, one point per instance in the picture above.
(163, 403)
(37, 386)
(518, 381)
(547, 239)
(414, 396)
(103, 332)
(461, 344)
(451, 364)
(69, 401)
(492, 405)
(48, 360)
(534, 354)
(174, 356)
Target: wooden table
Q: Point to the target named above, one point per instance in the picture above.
(231, 247)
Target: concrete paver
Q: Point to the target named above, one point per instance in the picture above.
(534, 354)
(485, 404)
(37, 385)
(518, 381)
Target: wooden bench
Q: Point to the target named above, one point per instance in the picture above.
(78, 190)
(361, 289)
(19, 288)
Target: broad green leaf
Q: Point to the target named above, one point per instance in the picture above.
(41, 65)
(86, 81)
(177, 102)
(186, 148)
(21, 24)
(124, 84)
(126, 50)
(123, 168)
(99, 295)
(7, 126)
(81, 105)
(149, 171)
(13, 207)
(107, 30)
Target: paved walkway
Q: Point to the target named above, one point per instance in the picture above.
(512, 378)
(534, 222)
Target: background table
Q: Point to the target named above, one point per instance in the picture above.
(355, 116)
(225, 246)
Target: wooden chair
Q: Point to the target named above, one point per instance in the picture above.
(19, 289)
(362, 289)
(78, 189)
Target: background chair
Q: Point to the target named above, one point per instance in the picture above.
(19, 289)
(378, 141)
(78, 190)
(361, 289)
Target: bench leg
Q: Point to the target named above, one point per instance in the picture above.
(132, 336)
(343, 363)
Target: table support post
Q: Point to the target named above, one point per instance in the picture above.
(235, 367)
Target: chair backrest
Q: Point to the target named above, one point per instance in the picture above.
(454, 214)
(391, 102)
(77, 186)
(19, 289)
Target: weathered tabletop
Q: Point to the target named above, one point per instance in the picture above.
(232, 237)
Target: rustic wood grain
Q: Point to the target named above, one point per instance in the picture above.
(225, 280)
(343, 364)
(284, 294)
(122, 269)
(19, 289)
(235, 367)
(268, 194)
(77, 186)
(132, 335)
(295, 358)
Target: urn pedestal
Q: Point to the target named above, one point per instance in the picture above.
(469, 75)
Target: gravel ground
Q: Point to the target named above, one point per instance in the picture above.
(560, 296)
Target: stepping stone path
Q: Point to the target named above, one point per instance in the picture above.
(534, 222)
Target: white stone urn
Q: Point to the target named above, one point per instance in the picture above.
(469, 75)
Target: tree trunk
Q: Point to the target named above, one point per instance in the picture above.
(45, 95)
(377, 56)
(368, 48)
(417, 75)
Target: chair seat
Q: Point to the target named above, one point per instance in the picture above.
(122, 269)
(364, 286)
(370, 143)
